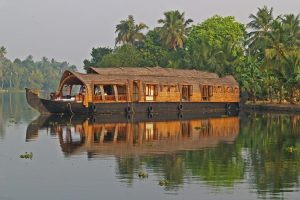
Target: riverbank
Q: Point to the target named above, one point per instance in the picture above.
(283, 107)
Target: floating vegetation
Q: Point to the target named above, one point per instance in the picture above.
(26, 155)
(164, 182)
(12, 120)
(291, 149)
(143, 174)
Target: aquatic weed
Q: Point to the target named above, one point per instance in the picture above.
(291, 149)
(143, 174)
(164, 182)
(27, 155)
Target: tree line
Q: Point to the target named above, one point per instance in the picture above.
(263, 55)
(18, 74)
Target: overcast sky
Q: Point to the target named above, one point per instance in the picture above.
(68, 29)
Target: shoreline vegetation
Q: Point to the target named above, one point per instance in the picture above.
(263, 55)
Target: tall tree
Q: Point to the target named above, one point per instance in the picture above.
(216, 44)
(97, 55)
(2, 52)
(124, 56)
(174, 30)
(129, 32)
(260, 26)
(2, 60)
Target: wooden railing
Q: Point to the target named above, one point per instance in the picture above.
(79, 98)
(121, 97)
(97, 98)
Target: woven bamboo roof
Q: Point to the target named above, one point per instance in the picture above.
(154, 75)
(153, 71)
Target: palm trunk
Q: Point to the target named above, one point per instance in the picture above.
(280, 94)
(271, 95)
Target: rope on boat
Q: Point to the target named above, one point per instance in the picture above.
(69, 104)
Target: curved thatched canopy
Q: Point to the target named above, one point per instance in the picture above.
(152, 71)
(155, 75)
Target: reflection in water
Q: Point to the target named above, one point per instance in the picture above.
(130, 138)
(267, 138)
(220, 151)
(13, 110)
(157, 144)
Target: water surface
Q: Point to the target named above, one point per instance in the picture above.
(218, 156)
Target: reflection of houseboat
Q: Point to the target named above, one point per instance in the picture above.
(131, 137)
(134, 90)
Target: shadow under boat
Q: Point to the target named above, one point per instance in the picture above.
(123, 135)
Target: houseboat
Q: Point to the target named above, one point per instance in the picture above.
(138, 90)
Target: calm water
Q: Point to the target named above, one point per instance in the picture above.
(249, 156)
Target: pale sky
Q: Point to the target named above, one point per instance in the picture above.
(67, 30)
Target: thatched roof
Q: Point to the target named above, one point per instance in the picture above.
(152, 71)
(154, 75)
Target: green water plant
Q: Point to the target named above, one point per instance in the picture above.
(27, 155)
(143, 174)
(164, 182)
(291, 149)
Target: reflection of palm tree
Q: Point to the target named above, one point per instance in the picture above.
(129, 32)
(221, 166)
(267, 137)
(126, 168)
(175, 29)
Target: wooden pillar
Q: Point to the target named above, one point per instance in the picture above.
(141, 91)
(129, 90)
(116, 92)
(102, 92)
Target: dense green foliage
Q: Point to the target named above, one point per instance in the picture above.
(43, 74)
(263, 55)
(216, 45)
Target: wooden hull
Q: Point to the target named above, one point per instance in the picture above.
(45, 106)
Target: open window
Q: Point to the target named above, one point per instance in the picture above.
(122, 92)
(186, 92)
(109, 93)
(206, 92)
(150, 92)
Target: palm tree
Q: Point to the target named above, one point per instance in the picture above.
(283, 53)
(129, 32)
(291, 26)
(260, 26)
(174, 30)
(2, 52)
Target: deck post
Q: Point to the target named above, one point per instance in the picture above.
(102, 92)
(116, 92)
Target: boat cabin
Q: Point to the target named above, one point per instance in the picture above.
(147, 84)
